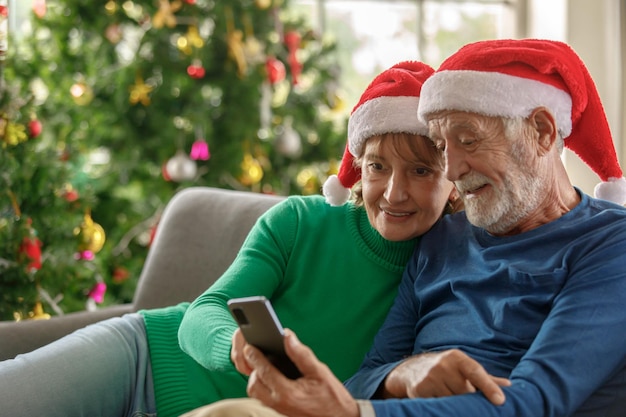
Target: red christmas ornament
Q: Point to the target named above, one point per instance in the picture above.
(120, 274)
(4, 11)
(275, 70)
(31, 249)
(70, 195)
(34, 128)
(196, 70)
(292, 41)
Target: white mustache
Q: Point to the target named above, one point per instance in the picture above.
(471, 182)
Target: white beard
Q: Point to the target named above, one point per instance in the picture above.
(499, 210)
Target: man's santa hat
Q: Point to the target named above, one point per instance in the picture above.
(388, 105)
(510, 78)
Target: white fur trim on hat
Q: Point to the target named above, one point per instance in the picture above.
(335, 193)
(386, 114)
(493, 94)
(612, 190)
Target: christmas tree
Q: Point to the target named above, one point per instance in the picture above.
(123, 104)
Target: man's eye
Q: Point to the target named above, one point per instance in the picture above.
(467, 140)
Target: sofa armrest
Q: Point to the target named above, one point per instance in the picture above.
(24, 336)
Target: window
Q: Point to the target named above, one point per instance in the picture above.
(375, 34)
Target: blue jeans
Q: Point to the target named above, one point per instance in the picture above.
(101, 370)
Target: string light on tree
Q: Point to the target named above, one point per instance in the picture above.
(82, 93)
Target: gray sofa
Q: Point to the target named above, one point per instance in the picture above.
(199, 234)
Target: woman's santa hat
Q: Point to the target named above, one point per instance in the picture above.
(510, 78)
(388, 105)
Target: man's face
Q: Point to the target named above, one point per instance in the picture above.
(493, 172)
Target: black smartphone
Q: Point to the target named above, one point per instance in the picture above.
(261, 328)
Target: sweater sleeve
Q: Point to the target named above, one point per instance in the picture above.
(206, 329)
(576, 364)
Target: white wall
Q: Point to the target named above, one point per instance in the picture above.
(592, 28)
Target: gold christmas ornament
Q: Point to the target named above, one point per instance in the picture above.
(251, 171)
(263, 4)
(165, 15)
(12, 133)
(38, 313)
(234, 39)
(139, 92)
(90, 234)
(253, 49)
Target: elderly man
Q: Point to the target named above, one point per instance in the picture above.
(528, 284)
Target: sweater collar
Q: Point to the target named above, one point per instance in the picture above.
(394, 255)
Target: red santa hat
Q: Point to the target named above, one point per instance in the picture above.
(388, 105)
(510, 78)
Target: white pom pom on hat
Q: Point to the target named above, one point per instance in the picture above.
(510, 78)
(388, 105)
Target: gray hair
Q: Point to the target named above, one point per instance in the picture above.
(515, 125)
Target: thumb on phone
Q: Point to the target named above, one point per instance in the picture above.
(302, 355)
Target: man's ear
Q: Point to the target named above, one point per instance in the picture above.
(454, 195)
(544, 123)
(455, 203)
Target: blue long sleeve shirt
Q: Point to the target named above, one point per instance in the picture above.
(545, 308)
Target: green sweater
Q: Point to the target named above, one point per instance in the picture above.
(330, 276)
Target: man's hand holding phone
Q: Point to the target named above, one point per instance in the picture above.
(259, 326)
(318, 393)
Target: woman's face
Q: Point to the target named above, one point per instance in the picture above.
(403, 184)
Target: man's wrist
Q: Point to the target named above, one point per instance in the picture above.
(365, 408)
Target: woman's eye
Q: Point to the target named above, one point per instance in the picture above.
(422, 171)
(375, 166)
